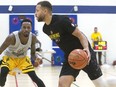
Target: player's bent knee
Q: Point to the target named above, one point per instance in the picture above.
(4, 71)
(62, 83)
(65, 81)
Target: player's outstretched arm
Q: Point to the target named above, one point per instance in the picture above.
(35, 58)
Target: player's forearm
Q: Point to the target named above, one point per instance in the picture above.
(33, 56)
(1, 50)
(84, 42)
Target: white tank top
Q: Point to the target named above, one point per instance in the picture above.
(18, 50)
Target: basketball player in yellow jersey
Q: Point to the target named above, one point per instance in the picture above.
(96, 36)
(15, 48)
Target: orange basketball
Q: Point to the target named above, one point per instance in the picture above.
(78, 59)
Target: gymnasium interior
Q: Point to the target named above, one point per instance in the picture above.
(86, 14)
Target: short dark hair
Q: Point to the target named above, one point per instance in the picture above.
(45, 4)
(95, 27)
(26, 20)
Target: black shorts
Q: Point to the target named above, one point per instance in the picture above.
(93, 70)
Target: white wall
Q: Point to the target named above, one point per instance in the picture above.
(106, 24)
(86, 22)
(60, 2)
(4, 28)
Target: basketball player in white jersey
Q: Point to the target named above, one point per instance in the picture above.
(15, 48)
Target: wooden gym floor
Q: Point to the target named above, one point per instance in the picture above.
(49, 74)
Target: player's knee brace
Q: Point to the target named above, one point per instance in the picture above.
(34, 78)
(4, 72)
